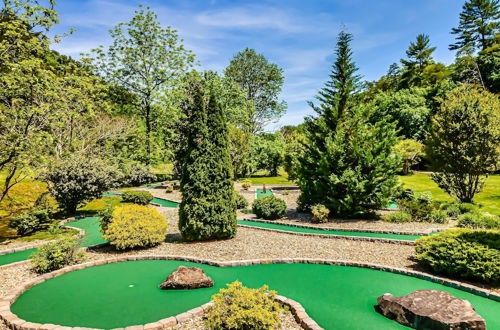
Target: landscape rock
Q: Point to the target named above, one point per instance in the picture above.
(430, 309)
(187, 278)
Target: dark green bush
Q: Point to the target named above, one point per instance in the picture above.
(466, 208)
(105, 215)
(423, 209)
(31, 221)
(56, 255)
(269, 207)
(437, 216)
(477, 220)
(397, 217)
(462, 253)
(241, 201)
(406, 194)
(135, 174)
(137, 197)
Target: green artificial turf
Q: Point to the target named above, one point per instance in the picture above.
(93, 235)
(260, 193)
(127, 293)
(15, 257)
(164, 202)
(326, 232)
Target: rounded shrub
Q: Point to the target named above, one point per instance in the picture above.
(246, 184)
(137, 197)
(269, 208)
(399, 216)
(239, 307)
(466, 208)
(56, 255)
(135, 226)
(437, 216)
(462, 253)
(241, 201)
(31, 221)
(169, 188)
(320, 213)
(477, 220)
(452, 209)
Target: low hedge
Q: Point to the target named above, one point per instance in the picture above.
(269, 208)
(397, 217)
(478, 221)
(462, 253)
(137, 197)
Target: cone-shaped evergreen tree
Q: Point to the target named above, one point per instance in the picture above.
(208, 209)
(347, 164)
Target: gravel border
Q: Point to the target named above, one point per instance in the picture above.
(301, 316)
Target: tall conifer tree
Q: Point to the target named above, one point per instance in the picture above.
(347, 164)
(208, 209)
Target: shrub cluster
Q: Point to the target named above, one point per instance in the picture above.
(56, 255)
(241, 201)
(477, 220)
(320, 213)
(31, 221)
(137, 197)
(397, 217)
(135, 226)
(239, 307)
(135, 174)
(421, 208)
(462, 253)
(456, 209)
(246, 184)
(269, 208)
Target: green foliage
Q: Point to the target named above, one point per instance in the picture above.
(56, 255)
(135, 174)
(31, 221)
(262, 82)
(137, 197)
(239, 307)
(462, 253)
(422, 208)
(267, 153)
(269, 208)
(241, 201)
(105, 216)
(397, 217)
(294, 144)
(410, 152)
(408, 108)
(348, 163)
(438, 216)
(208, 209)
(478, 221)
(464, 140)
(145, 59)
(479, 25)
(135, 226)
(320, 213)
(169, 188)
(79, 179)
(419, 57)
(246, 184)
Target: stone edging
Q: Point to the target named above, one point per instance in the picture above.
(18, 324)
(347, 229)
(330, 236)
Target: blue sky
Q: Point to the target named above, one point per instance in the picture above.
(298, 35)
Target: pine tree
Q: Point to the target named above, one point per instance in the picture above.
(347, 164)
(208, 209)
(419, 56)
(479, 24)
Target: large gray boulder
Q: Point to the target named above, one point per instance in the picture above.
(187, 278)
(430, 309)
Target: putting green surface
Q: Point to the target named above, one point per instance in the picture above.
(127, 293)
(326, 232)
(93, 235)
(164, 202)
(260, 193)
(6, 259)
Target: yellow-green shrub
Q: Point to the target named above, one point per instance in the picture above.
(56, 255)
(320, 213)
(239, 307)
(135, 226)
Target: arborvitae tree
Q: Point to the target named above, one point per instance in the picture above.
(208, 209)
(479, 24)
(347, 164)
(419, 56)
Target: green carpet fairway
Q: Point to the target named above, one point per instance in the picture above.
(93, 235)
(164, 202)
(127, 293)
(260, 193)
(15, 257)
(326, 232)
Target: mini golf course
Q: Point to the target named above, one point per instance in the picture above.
(293, 229)
(126, 293)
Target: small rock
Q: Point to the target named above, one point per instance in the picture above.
(187, 278)
(430, 309)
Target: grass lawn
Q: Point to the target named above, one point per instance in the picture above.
(488, 199)
(261, 178)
